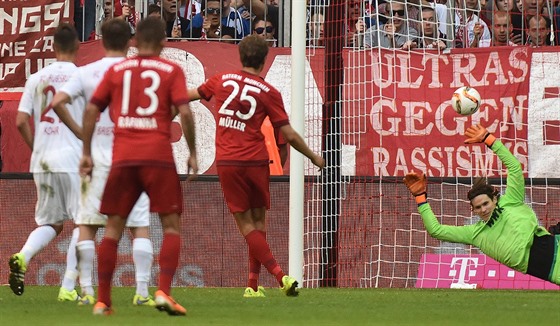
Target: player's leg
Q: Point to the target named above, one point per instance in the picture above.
(86, 254)
(121, 192)
(143, 257)
(49, 216)
(69, 187)
(163, 187)
(89, 220)
(142, 250)
(67, 291)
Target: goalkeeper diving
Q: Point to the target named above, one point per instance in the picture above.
(508, 230)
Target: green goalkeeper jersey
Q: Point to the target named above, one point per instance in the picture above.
(508, 234)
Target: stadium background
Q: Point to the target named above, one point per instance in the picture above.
(379, 241)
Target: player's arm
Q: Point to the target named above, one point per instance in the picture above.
(257, 7)
(59, 106)
(24, 127)
(187, 124)
(515, 189)
(193, 94)
(295, 140)
(90, 117)
(417, 185)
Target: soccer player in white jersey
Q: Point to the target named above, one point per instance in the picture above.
(115, 36)
(54, 159)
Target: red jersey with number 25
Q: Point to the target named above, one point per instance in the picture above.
(140, 92)
(243, 101)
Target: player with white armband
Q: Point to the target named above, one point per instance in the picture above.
(116, 36)
(508, 230)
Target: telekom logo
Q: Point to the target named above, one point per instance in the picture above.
(463, 263)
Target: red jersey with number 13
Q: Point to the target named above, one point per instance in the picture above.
(140, 92)
(243, 101)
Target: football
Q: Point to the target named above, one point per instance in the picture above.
(465, 100)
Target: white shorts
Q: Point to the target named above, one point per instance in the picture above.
(58, 197)
(92, 191)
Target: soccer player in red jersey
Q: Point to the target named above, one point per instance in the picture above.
(244, 100)
(140, 93)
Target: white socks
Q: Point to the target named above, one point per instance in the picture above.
(36, 241)
(143, 256)
(86, 250)
(71, 274)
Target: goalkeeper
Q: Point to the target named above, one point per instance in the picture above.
(508, 230)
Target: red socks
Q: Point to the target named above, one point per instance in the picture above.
(254, 269)
(259, 250)
(168, 260)
(106, 261)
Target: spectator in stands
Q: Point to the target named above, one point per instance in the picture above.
(219, 19)
(441, 15)
(316, 28)
(121, 10)
(534, 7)
(176, 26)
(412, 11)
(395, 32)
(430, 36)
(538, 31)
(502, 29)
(84, 18)
(516, 17)
(154, 10)
(265, 30)
(262, 10)
(471, 32)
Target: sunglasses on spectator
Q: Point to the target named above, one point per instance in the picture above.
(398, 12)
(260, 30)
(213, 11)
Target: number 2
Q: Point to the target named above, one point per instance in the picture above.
(46, 108)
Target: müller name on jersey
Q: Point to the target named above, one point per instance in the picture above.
(137, 123)
(228, 122)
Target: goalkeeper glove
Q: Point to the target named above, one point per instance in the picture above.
(417, 185)
(479, 134)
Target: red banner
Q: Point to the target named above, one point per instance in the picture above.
(397, 114)
(405, 121)
(27, 28)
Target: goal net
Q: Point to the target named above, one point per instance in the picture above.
(386, 111)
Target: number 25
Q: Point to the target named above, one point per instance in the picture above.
(245, 96)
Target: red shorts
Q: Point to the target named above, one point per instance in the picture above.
(245, 187)
(126, 183)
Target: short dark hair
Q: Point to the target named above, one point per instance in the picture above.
(154, 8)
(115, 34)
(150, 31)
(66, 38)
(481, 187)
(253, 51)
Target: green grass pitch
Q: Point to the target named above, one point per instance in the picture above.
(226, 306)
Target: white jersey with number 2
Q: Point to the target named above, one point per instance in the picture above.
(55, 147)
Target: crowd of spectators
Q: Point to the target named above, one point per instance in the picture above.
(404, 24)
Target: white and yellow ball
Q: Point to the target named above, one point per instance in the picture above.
(465, 100)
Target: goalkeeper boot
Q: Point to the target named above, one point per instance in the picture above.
(289, 286)
(86, 300)
(17, 273)
(101, 309)
(250, 293)
(65, 295)
(139, 300)
(166, 303)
